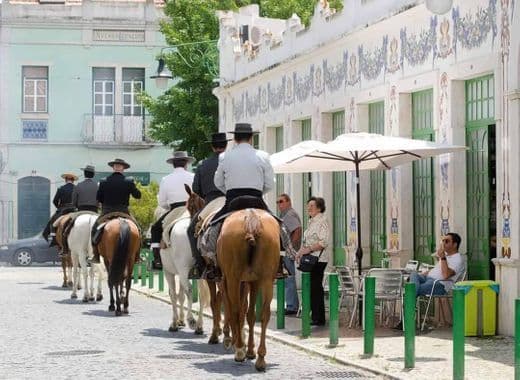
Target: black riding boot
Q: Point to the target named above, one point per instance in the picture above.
(199, 265)
(156, 264)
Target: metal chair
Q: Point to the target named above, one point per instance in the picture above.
(389, 288)
(428, 298)
(350, 287)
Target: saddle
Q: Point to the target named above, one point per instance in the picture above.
(104, 219)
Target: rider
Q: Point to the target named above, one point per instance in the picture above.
(204, 185)
(244, 171)
(113, 194)
(63, 203)
(84, 194)
(172, 195)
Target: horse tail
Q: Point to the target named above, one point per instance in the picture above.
(252, 227)
(120, 258)
(91, 221)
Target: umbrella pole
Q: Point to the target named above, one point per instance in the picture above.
(359, 250)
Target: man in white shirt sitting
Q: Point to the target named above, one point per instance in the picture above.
(449, 267)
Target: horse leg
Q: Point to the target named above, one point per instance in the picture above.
(84, 272)
(128, 284)
(170, 278)
(64, 268)
(251, 322)
(111, 307)
(234, 306)
(228, 341)
(180, 304)
(267, 296)
(75, 274)
(100, 269)
(119, 289)
(69, 271)
(91, 274)
(203, 294)
(215, 312)
(186, 290)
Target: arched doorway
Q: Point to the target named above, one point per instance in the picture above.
(33, 205)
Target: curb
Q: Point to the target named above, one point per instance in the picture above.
(287, 342)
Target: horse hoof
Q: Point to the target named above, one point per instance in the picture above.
(73, 296)
(111, 308)
(99, 297)
(227, 343)
(118, 313)
(125, 311)
(91, 298)
(192, 323)
(84, 300)
(251, 355)
(199, 331)
(240, 354)
(64, 285)
(79, 287)
(173, 329)
(69, 284)
(213, 339)
(181, 324)
(260, 364)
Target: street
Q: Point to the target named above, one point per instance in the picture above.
(45, 334)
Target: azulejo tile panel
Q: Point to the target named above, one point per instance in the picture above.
(34, 129)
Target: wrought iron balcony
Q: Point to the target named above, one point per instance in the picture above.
(106, 130)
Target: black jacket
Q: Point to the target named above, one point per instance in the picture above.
(114, 192)
(203, 183)
(63, 197)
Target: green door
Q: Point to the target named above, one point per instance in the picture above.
(279, 147)
(306, 177)
(33, 205)
(339, 195)
(423, 194)
(480, 198)
(376, 124)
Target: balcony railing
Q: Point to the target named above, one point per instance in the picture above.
(116, 130)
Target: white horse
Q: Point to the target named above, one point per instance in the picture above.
(80, 250)
(177, 260)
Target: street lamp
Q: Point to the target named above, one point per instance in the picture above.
(206, 51)
(439, 7)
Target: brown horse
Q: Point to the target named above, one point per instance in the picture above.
(66, 260)
(119, 246)
(194, 204)
(248, 251)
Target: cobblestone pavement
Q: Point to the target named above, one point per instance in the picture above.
(45, 334)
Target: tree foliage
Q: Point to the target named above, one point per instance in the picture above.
(187, 113)
(143, 209)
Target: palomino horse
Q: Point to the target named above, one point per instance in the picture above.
(176, 260)
(80, 249)
(248, 251)
(119, 245)
(194, 204)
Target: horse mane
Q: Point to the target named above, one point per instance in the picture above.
(194, 203)
(120, 257)
(253, 228)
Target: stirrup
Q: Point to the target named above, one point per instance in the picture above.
(212, 273)
(194, 273)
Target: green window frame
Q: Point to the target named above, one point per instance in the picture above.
(339, 196)
(376, 124)
(422, 179)
(480, 189)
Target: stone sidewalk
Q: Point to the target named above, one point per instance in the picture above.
(486, 358)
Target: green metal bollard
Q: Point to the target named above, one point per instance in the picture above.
(517, 339)
(369, 301)
(280, 303)
(458, 334)
(135, 273)
(151, 276)
(194, 291)
(306, 304)
(333, 309)
(258, 306)
(409, 325)
(161, 280)
(143, 274)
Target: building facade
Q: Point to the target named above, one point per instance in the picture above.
(393, 67)
(70, 75)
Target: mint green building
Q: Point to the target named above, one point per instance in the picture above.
(70, 72)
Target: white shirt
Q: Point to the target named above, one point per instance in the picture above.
(455, 263)
(244, 167)
(171, 189)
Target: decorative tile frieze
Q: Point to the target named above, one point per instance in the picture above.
(303, 85)
(417, 47)
(276, 94)
(238, 108)
(34, 129)
(472, 29)
(335, 75)
(372, 63)
(252, 103)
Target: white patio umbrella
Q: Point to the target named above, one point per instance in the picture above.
(354, 152)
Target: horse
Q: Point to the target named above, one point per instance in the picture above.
(194, 204)
(177, 260)
(119, 245)
(66, 261)
(81, 248)
(248, 251)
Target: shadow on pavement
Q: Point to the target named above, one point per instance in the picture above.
(418, 359)
(202, 347)
(184, 333)
(103, 313)
(227, 366)
(56, 287)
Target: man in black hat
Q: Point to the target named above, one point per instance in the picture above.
(63, 203)
(113, 194)
(172, 195)
(85, 192)
(204, 186)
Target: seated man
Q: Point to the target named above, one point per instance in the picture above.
(449, 267)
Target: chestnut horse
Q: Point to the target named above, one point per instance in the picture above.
(248, 253)
(194, 204)
(119, 245)
(66, 259)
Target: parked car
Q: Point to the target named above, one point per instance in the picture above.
(24, 252)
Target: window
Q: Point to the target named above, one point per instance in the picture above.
(133, 84)
(104, 79)
(35, 80)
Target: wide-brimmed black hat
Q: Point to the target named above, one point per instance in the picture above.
(179, 155)
(119, 161)
(217, 138)
(243, 128)
(89, 168)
